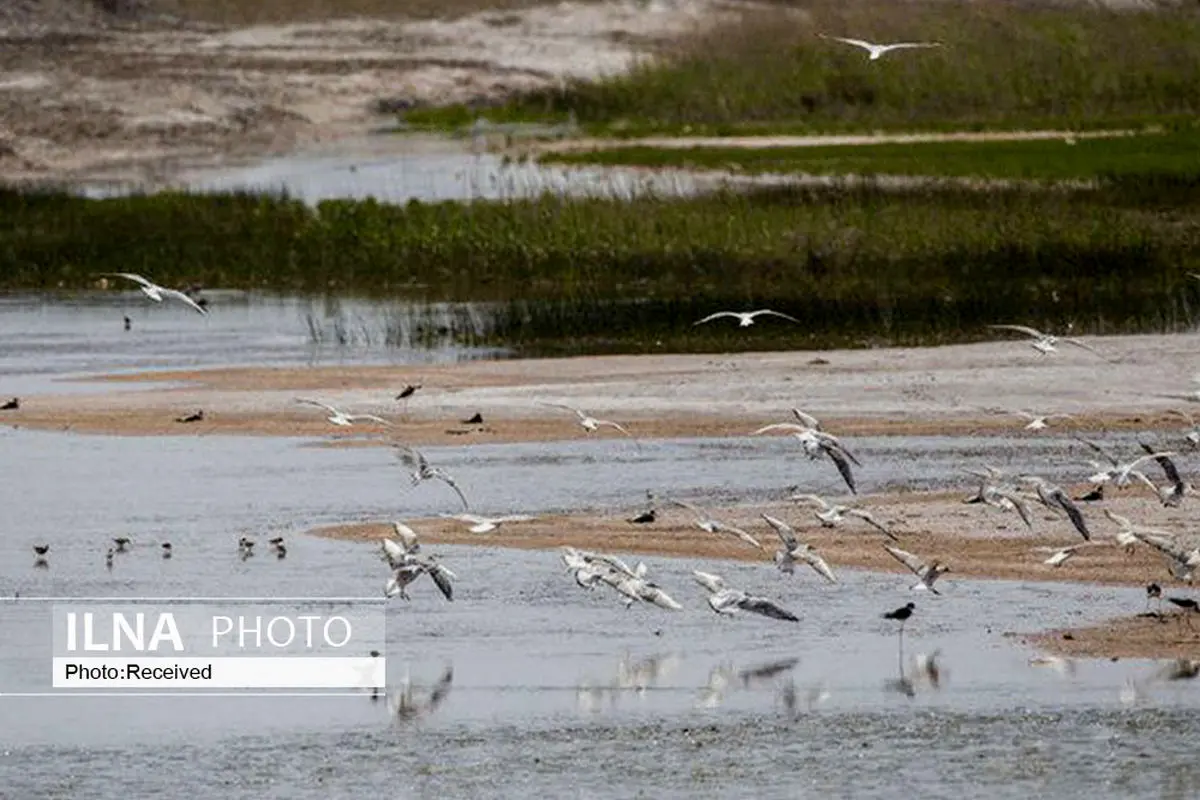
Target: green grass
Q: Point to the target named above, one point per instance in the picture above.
(1175, 153)
(1002, 66)
(587, 275)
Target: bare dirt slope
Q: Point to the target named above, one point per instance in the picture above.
(137, 92)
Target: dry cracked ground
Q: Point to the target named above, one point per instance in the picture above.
(143, 90)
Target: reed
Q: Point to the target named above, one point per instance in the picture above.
(856, 263)
(1003, 65)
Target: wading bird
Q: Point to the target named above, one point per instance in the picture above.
(877, 51)
(1046, 344)
(421, 471)
(724, 600)
(158, 293)
(40, 551)
(831, 515)
(340, 418)
(745, 318)
(165, 548)
(927, 574)
(11, 405)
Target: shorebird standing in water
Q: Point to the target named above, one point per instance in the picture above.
(158, 293)
(166, 550)
(108, 559)
(406, 394)
(40, 551)
(901, 615)
(1154, 592)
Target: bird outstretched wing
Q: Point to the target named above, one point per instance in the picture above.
(906, 558)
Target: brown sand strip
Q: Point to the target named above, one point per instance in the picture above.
(1142, 636)
(976, 542)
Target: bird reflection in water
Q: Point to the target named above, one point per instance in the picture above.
(631, 675)
(406, 705)
(722, 678)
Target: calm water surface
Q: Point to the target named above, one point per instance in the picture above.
(542, 702)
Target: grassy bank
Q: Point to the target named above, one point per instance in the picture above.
(1000, 66)
(1173, 153)
(854, 264)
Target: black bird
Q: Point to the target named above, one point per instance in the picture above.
(1188, 605)
(902, 614)
(11, 405)
(128, 323)
(475, 420)
(1153, 592)
(1093, 496)
(41, 549)
(375, 693)
(166, 549)
(197, 417)
(645, 518)
(408, 391)
(121, 542)
(39, 557)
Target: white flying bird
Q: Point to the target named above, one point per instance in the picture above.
(157, 293)
(876, 51)
(706, 522)
(927, 573)
(794, 550)
(487, 524)
(1044, 343)
(341, 418)
(416, 461)
(1192, 432)
(398, 551)
(816, 443)
(1119, 472)
(1060, 555)
(1038, 422)
(831, 515)
(590, 423)
(745, 318)
(724, 600)
(1054, 498)
(412, 568)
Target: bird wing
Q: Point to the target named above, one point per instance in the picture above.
(1085, 346)
(446, 479)
(1073, 513)
(612, 424)
(906, 558)
(741, 534)
(395, 551)
(1152, 455)
(868, 518)
(319, 404)
(786, 533)
(807, 419)
(407, 536)
(1183, 415)
(772, 313)
(810, 557)
(768, 608)
(1107, 456)
(441, 688)
(1034, 332)
(838, 456)
(907, 45)
(1164, 461)
(713, 583)
(781, 426)
(812, 499)
(855, 42)
(133, 277)
(717, 315)
(411, 457)
(828, 438)
(572, 409)
(441, 576)
(183, 298)
(684, 504)
(1019, 504)
(470, 519)
(515, 518)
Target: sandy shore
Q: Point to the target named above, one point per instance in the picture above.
(952, 390)
(976, 542)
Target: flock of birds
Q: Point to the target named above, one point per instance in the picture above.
(1010, 493)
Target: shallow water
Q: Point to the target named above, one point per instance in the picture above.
(538, 704)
